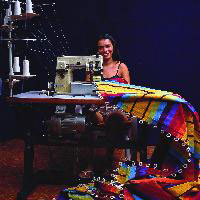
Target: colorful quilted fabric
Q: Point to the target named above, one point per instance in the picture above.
(174, 115)
(179, 176)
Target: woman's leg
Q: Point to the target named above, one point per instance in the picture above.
(115, 129)
(94, 118)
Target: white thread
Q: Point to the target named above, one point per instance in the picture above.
(26, 68)
(16, 67)
(29, 6)
(17, 8)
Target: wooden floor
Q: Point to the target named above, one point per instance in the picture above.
(11, 171)
(56, 159)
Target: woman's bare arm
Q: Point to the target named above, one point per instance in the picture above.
(125, 73)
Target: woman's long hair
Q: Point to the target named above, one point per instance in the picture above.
(115, 55)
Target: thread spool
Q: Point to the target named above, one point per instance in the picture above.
(11, 71)
(8, 12)
(16, 67)
(17, 8)
(26, 68)
(29, 6)
(7, 16)
(5, 21)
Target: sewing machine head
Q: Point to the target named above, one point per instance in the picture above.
(65, 66)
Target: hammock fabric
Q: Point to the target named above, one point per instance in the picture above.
(173, 114)
(177, 119)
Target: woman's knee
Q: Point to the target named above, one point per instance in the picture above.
(116, 119)
(115, 126)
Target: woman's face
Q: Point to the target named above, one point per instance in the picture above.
(105, 48)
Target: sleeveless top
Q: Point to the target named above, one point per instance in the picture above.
(116, 77)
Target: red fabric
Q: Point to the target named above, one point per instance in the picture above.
(127, 195)
(178, 123)
(150, 190)
(120, 80)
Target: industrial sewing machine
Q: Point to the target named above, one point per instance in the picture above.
(64, 86)
(64, 73)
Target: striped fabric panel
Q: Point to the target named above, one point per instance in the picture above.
(170, 115)
(173, 113)
(177, 121)
(158, 112)
(151, 111)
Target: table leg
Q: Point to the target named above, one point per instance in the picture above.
(28, 181)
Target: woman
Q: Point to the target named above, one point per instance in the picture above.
(115, 70)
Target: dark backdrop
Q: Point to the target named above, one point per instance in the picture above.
(158, 40)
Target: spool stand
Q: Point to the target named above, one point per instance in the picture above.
(9, 28)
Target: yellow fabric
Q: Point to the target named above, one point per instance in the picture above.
(179, 190)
